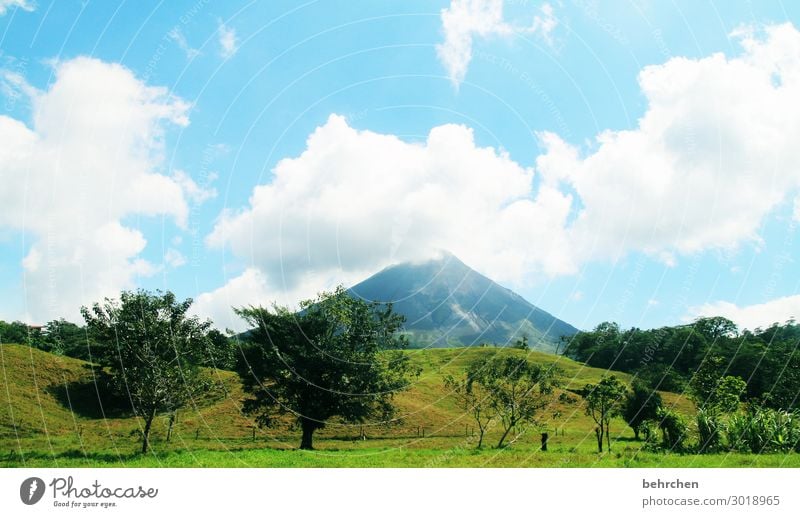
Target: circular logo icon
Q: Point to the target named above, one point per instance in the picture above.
(31, 490)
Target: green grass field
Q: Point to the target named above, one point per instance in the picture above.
(49, 417)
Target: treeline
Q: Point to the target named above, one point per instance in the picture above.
(668, 358)
(63, 337)
(338, 357)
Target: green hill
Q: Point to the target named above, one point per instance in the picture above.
(51, 414)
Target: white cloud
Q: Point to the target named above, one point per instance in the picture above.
(751, 317)
(90, 158)
(26, 5)
(192, 190)
(796, 211)
(249, 288)
(174, 258)
(228, 43)
(714, 153)
(180, 39)
(464, 20)
(253, 287)
(355, 201)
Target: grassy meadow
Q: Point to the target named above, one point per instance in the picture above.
(52, 416)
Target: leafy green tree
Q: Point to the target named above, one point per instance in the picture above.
(674, 430)
(517, 390)
(221, 351)
(522, 343)
(339, 356)
(713, 392)
(473, 398)
(716, 327)
(604, 402)
(64, 338)
(728, 394)
(714, 396)
(150, 346)
(14, 332)
(641, 405)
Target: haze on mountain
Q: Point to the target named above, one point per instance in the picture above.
(446, 303)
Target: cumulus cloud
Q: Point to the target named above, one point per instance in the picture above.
(26, 5)
(228, 43)
(714, 153)
(779, 310)
(464, 20)
(90, 158)
(253, 287)
(355, 201)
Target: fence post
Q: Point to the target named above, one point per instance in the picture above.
(197, 434)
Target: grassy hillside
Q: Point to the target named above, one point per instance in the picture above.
(51, 415)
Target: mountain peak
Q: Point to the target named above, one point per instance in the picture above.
(447, 303)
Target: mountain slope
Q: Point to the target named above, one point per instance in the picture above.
(446, 303)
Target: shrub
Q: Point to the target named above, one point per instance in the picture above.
(762, 430)
(674, 430)
(709, 429)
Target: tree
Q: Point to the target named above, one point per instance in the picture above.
(711, 391)
(339, 356)
(603, 402)
(473, 399)
(715, 328)
(14, 332)
(221, 351)
(641, 404)
(150, 346)
(64, 338)
(522, 343)
(714, 396)
(673, 430)
(517, 389)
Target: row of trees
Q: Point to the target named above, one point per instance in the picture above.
(337, 356)
(511, 392)
(667, 358)
(341, 357)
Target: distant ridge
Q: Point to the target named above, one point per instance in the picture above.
(446, 303)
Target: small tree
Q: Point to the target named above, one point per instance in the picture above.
(337, 357)
(603, 402)
(641, 405)
(517, 390)
(714, 397)
(522, 343)
(150, 346)
(673, 430)
(472, 398)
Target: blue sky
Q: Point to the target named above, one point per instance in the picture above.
(631, 161)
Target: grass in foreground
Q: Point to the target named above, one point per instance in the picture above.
(333, 456)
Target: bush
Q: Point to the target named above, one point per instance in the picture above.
(762, 430)
(674, 430)
(709, 429)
